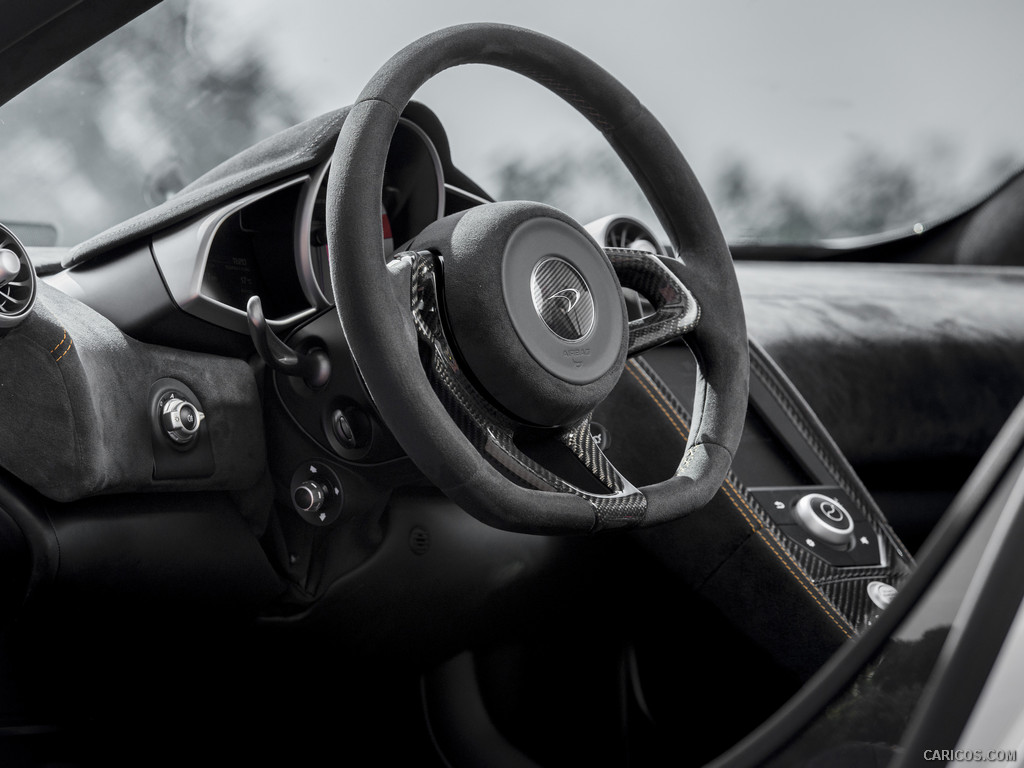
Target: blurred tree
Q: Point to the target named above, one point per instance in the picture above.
(131, 120)
(586, 183)
(871, 193)
(876, 193)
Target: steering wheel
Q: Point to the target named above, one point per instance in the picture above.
(488, 343)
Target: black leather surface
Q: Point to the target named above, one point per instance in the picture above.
(901, 363)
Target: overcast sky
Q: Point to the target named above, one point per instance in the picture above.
(795, 87)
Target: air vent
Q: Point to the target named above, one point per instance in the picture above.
(17, 281)
(623, 232)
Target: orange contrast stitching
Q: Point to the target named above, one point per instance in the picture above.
(670, 416)
(70, 343)
(761, 532)
(679, 427)
(60, 342)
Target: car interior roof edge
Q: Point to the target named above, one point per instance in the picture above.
(77, 22)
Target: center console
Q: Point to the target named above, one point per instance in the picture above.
(798, 495)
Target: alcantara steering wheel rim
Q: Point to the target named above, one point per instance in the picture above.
(374, 301)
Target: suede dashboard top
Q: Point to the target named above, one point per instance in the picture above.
(295, 149)
(901, 362)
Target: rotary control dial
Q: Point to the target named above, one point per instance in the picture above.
(825, 518)
(181, 420)
(317, 495)
(310, 496)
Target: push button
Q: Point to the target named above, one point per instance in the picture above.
(824, 518)
(309, 497)
(348, 429)
(830, 554)
(881, 594)
(343, 429)
(865, 551)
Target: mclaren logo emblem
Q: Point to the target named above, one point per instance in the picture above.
(562, 299)
(570, 296)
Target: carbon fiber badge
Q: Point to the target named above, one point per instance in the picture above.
(562, 299)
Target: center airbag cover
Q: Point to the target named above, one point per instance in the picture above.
(570, 318)
(534, 306)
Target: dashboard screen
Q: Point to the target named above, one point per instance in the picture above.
(412, 196)
(251, 254)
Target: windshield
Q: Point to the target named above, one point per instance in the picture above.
(803, 121)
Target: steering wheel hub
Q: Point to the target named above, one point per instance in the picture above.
(534, 309)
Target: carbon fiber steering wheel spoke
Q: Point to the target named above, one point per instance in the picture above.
(626, 505)
(676, 311)
(493, 433)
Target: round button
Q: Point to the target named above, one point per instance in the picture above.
(881, 594)
(309, 497)
(824, 518)
(189, 419)
(316, 494)
(343, 429)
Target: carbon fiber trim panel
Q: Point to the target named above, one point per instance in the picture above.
(842, 591)
(492, 433)
(676, 311)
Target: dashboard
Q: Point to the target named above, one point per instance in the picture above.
(194, 276)
(273, 243)
(345, 505)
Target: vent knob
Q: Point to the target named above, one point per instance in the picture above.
(10, 266)
(17, 281)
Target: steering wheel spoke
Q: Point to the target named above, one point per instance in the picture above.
(625, 506)
(493, 433)
(676, 311)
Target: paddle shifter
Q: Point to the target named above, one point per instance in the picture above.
(312, 365)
